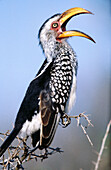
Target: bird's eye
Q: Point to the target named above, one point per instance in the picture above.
(55, 25)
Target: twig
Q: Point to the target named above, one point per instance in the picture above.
(102, 146)
(21, 153)
(83, 128)
(77, 117)
(16, 158)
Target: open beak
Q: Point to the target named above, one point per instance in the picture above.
(65, 17)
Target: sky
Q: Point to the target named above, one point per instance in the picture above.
(21, 57)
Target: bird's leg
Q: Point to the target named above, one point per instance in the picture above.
(66, 120)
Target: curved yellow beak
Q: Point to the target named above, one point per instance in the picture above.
(67, 34)
(66, 16)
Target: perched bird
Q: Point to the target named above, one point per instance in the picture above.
(52, 92)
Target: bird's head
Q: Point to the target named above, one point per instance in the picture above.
(54, 29)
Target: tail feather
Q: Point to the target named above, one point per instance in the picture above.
(9, 140)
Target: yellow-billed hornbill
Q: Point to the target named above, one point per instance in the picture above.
(51, 93)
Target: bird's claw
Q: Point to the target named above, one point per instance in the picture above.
(66, 120)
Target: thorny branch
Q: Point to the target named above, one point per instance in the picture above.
(102, 146)
(21, 153)
(83, 127)
(78, 117)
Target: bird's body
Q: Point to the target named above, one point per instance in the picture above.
(58, 78)
(51, 93)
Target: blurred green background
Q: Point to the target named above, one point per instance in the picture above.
(21, 58)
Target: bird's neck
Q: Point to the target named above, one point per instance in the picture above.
(52, 48)
(49, 48)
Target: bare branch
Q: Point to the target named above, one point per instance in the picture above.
(83, 128)
(102, 146)
(66, 120)
(21, 153)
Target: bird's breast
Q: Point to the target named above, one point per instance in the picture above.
(62, 83)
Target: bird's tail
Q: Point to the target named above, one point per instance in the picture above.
(9, 140)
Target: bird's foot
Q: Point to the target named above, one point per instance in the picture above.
(66, 120)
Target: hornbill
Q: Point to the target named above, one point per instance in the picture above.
(52, 92)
